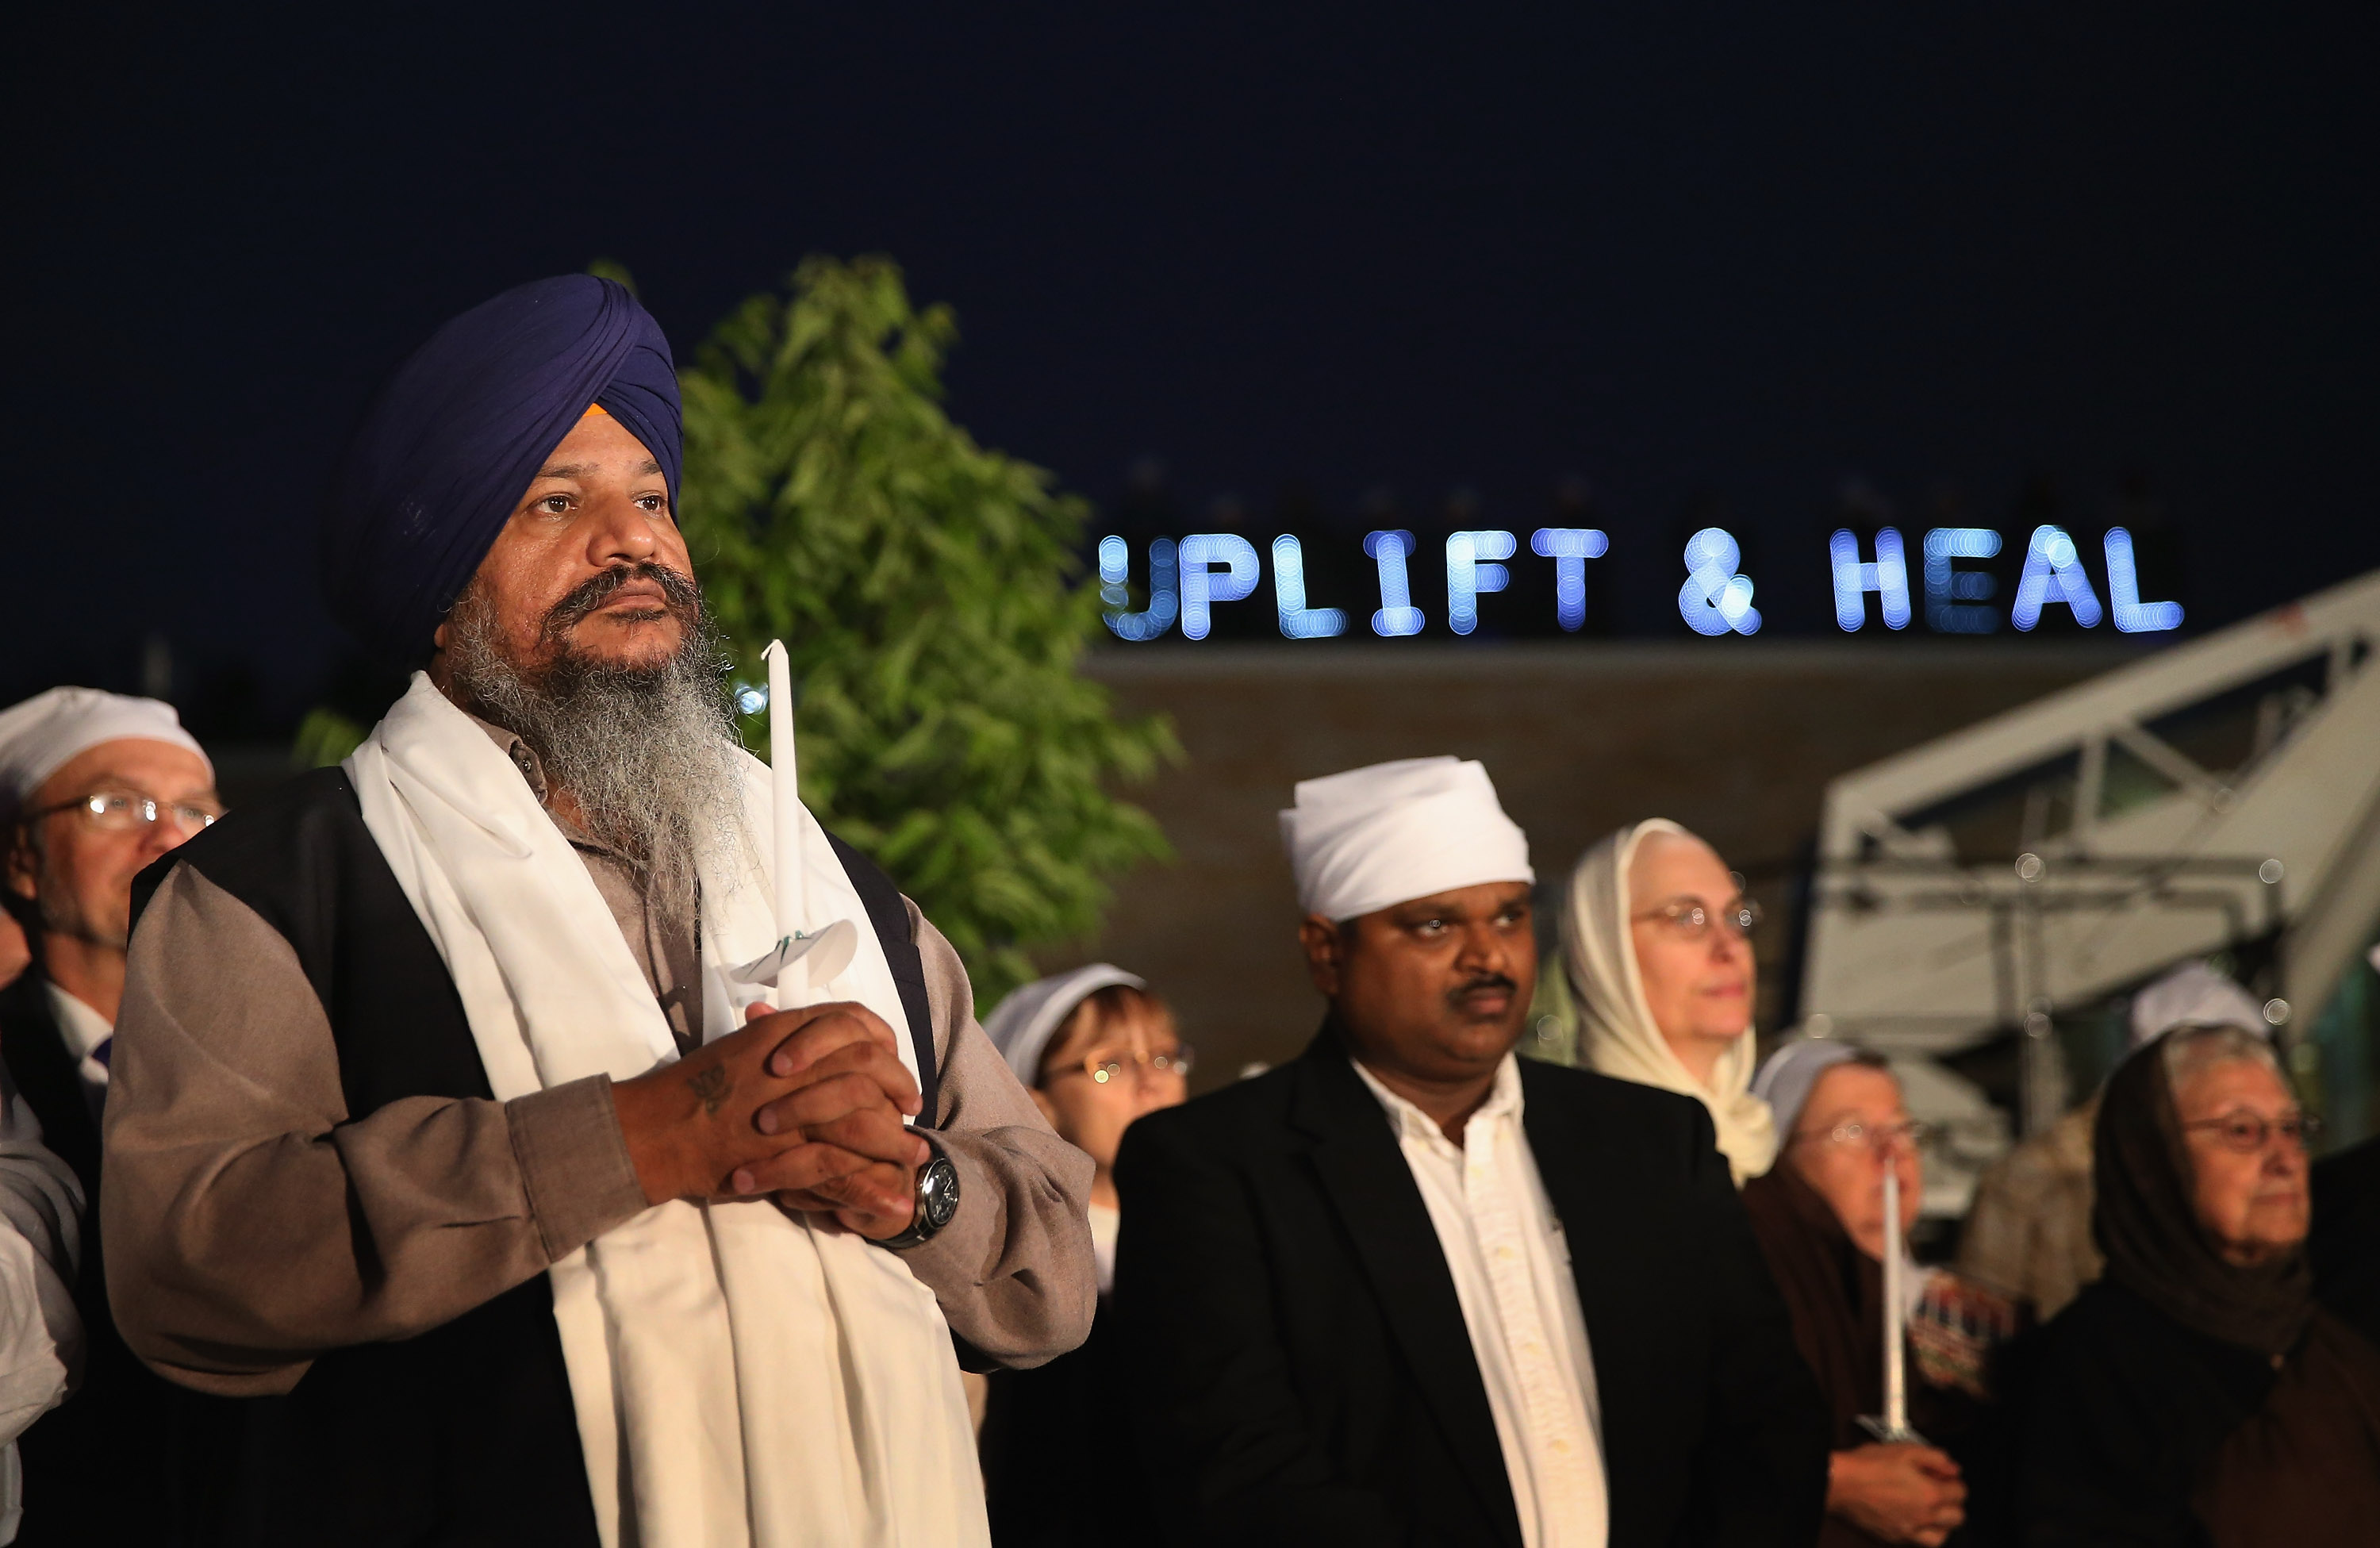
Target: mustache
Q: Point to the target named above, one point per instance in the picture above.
(1484, 983)
(679, 593)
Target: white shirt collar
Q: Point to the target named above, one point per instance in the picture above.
(83, 1028)
(1412, 1123)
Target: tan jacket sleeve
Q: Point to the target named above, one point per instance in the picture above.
(1012, 1270)
(251, 1223)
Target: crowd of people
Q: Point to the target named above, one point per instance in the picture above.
(463, 1145)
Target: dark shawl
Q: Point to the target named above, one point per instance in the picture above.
(453, 439)
(2345, 1245)
(1834, 1293)
(2183, 1400)
(2147, 1226)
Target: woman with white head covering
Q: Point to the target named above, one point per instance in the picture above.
(1095, 1050)
(2028, 1231)
(1657, 943)
(1818, 1214)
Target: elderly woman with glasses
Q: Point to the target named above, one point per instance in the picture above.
(1657, 955)
(1820, 1218)
(2195, 1394)
(1096, 1050)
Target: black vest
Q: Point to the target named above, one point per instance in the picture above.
(466, 1433)
(78, 1489)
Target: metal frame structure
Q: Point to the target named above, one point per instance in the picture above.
(2221, 794)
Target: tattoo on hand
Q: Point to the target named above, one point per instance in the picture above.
(711, 1085)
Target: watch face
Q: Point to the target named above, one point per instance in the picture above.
(938, 1193)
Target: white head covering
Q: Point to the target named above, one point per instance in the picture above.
(1616, 1033)
(2196, 995)
(37, 736)
(1786, 1080)
(1373, 838)
(1021, 1025)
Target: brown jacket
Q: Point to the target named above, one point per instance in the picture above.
(253, 1222)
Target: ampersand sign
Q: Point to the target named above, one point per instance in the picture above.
(1715, 599)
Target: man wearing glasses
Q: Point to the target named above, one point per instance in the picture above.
(1408, 1289)
(92, 788)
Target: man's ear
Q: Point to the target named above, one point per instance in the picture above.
(1325, 952)
(441, 665)
(21, 871)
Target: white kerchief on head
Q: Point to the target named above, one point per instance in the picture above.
(2194, 995)
(1021, 1025)
(1616, 1033)
(1785, 1083)
(41, 736)
(1373, 838)
(1791, 1073)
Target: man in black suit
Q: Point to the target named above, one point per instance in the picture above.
(1407, 1289)
(93, 786)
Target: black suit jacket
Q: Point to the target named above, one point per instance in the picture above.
(80, 1486)
(2345, 1243)
(1307, 1376)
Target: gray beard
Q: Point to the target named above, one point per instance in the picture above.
(648, 753)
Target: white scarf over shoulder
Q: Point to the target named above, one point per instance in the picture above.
(1616, 1033)
(743, 1378)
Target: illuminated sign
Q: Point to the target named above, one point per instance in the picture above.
(1323, 588)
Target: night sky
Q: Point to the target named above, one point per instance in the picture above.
(1696, 263)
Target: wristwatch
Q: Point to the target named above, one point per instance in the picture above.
(938, 1201)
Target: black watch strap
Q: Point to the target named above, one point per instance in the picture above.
(938, 1201)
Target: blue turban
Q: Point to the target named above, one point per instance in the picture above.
(454, 437)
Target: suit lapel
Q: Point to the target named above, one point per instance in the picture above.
(1568, 1159)
(1587, 1183)
(1365, 1176)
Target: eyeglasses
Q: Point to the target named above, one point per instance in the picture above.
(123, 810)
(2248, 1134)
(1873, 1136)
(1108, 1069)
(1692, 921)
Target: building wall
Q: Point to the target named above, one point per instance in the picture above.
(1735, 739)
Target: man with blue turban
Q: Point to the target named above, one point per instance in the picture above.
(449, 1151)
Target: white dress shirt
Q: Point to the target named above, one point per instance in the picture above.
(1105, 1225)
(1505, 1247)
(85, 1032)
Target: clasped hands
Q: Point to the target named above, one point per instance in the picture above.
(805, 1106)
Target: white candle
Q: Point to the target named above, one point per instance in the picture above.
(1896, 1389)
(786, 812)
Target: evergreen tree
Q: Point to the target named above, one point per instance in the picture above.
(930, 595)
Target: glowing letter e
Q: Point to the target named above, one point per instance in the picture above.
(1202, 586)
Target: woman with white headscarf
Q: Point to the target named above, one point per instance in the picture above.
(1656, 943)
(1095, 1050)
